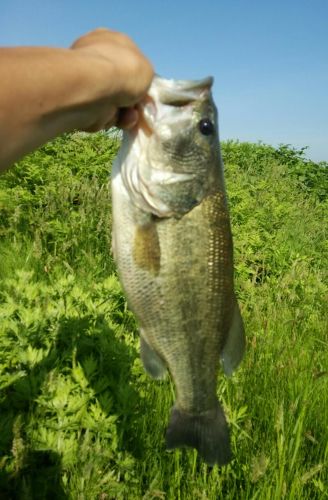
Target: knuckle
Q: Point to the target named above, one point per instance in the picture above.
(100, 29)
(122, 37)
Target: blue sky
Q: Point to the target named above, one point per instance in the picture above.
(269, 59)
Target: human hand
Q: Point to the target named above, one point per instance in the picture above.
(120, 76)
(47, 91)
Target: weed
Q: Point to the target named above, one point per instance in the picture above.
(79, 416)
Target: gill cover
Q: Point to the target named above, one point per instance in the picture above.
(148, 181)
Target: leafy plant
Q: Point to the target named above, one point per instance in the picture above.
(79, 416)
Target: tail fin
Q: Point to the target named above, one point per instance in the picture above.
(208, 433)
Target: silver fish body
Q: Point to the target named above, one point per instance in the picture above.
(173, 248)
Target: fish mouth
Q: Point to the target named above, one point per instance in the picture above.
(186, 85)
(169, 92)
(147, 112)
(179, 92)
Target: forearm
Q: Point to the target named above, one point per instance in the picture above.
(47, 91)
(44, 92)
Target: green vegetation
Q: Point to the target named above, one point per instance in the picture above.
(79, 418)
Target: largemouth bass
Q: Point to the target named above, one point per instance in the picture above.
(173, 248)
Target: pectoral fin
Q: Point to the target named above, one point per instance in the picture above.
(153, 364)
(234, 348)
(146, 248)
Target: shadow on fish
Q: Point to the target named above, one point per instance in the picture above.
(173, 248)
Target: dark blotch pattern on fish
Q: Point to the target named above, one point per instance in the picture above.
(146, 248)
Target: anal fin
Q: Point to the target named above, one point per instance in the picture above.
(234, 348)
(153, 364)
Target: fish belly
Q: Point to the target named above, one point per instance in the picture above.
(177, 274)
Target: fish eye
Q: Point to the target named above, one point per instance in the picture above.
(206, 126)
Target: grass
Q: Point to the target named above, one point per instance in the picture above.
(79, 417)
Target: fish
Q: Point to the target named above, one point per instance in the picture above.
(172, 245)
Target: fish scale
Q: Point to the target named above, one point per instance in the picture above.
(176, 262)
